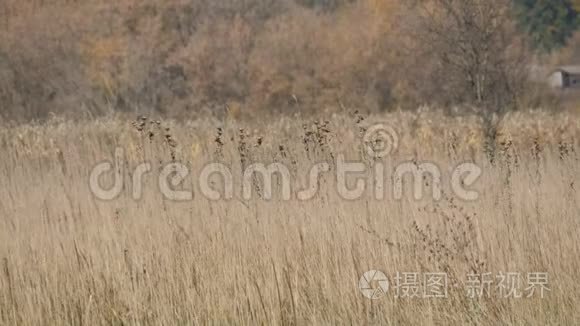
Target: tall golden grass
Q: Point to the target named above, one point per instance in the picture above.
(68, 258)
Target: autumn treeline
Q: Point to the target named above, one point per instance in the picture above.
(235, 57)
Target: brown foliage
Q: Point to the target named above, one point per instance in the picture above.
(182, 57)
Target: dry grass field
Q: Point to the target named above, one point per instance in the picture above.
(68, 258)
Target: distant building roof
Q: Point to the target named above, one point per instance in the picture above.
(568, 69)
